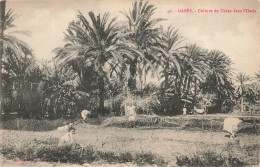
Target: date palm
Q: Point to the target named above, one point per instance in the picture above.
(195, 67)
(141, 30)
(169, 63)
(2, 18)
(219, 79)
(10, 46)
(170, 56)
(242, 80)
(96, 43)
(257, 76)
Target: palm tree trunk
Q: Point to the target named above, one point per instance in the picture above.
(166, 75)
(179, 92)
(101, 87)
(141, 78)
(242, 104)
(2, 16)
(145, 76)
(188, 85)
(132, 79)
(195, 88)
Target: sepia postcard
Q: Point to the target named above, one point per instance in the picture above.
(129, 83)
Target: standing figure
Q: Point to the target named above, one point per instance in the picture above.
(131, 113)
(184, 110)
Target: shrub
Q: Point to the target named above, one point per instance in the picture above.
(149, 158)
(141, 121)
(90, 154)
(50, 152)
(126, 157)
(108, 156)
(145, 158)
(208, 158)
(34, 124)
(8, 151)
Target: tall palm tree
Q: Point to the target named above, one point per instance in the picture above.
(2, 18)
(195, 67)
(141, 30)
(194, 70)
(8, 41)
(169, 53)
(219, 79)
(242, 80)
(169, 62)
(98, 44)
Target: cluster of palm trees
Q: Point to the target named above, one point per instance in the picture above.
(105, 59)
(139, 47)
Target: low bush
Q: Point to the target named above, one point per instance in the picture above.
(126, 157)
(208, 158)
(109, 156)
(249, 128)
(49, 151)
(141, 121)
(149, 158)
(33, 124)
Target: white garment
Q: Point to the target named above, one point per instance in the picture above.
(85, 113)
(132, 113)
(127, 109)
(200, 111)
(66, 127)
(67, 140)
(231, 125)
(184, 111)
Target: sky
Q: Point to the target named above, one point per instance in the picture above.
(235, 34)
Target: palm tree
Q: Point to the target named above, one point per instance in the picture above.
(2, 18)
(242, 79)
(10, 46)
(169, 62)
(218, 80)
(98, 44)
(195, 67)
(141, 30)
(169, 53)
(257, 76)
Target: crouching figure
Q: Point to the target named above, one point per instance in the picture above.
(85, 114)
(68, 142)
(68, 139)
(231, 126)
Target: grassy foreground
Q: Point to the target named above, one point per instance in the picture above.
(145, 145)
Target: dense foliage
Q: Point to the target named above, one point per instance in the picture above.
(105, 65)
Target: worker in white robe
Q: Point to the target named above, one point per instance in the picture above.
(131, 113)
(231, 125)
(184, 110)
(85, 114)
(68, 139)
